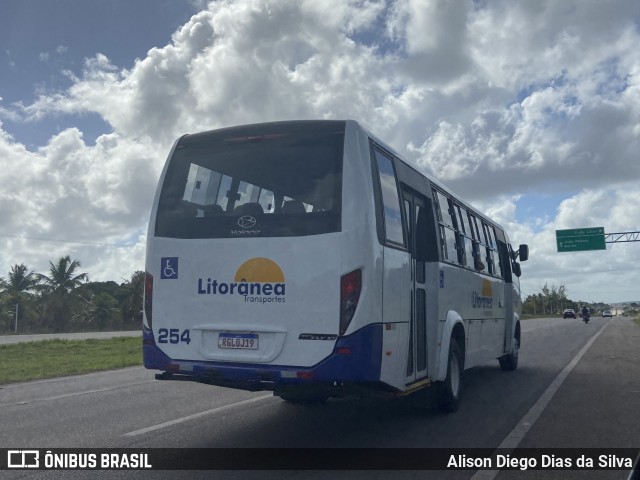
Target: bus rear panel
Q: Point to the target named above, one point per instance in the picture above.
(258, 275)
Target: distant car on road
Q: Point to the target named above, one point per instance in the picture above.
(607, 313)
(568, 313)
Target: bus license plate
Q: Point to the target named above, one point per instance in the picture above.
(238, 341)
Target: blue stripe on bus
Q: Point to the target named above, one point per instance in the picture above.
(362, 364)
(153, 357)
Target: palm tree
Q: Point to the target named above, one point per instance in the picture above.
(19, 281)
(130, 296)
(104, 310)
(59, 288)
(19, 286)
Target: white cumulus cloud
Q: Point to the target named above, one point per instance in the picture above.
(498, 99)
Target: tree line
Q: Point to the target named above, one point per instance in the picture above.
(553, 301)
(64, 300)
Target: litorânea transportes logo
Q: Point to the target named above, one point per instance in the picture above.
(258, 280)
(485, 299)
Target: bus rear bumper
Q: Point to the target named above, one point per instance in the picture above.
(356, 359)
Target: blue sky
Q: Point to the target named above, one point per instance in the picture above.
(540, 207)
(528, 110)
(43, 39)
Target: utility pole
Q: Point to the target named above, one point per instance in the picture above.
(16, 330)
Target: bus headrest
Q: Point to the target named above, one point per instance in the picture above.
(252, 208)
(293, 207)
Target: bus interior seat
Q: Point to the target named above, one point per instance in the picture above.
(185, 210)
(293, 207)
(252, 208)
(213, 210)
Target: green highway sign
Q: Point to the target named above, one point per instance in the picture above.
(580, 239)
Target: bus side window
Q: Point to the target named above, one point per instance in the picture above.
(501, 266)
(390, 198)
(479, 245)
(407, 216)
(492, 251)
(477, 257)
(465, 234)
(450, 251)
(452, 248)
(457, 225)
(443, 244)
(445, 211)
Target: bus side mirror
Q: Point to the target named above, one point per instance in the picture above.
(523, 253)
(517, 271)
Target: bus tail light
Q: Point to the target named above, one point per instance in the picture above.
(350, 286)
(306, 375)
(148, 296)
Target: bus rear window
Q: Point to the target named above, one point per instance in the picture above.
(267, 180)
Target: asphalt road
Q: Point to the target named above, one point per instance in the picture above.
(576, 386)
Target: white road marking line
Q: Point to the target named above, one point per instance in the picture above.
(635, 471)
(513, 439)
(196, 415)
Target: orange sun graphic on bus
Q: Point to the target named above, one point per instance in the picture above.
(487, 291)
(259, 270)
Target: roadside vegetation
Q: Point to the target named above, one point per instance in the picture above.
(551, 302)
(22, 362)
(64, 300)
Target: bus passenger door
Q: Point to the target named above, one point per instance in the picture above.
(414, 206)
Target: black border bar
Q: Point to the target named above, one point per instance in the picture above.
(320, 459)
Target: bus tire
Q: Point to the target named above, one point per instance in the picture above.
(448, 391)
(509, 362)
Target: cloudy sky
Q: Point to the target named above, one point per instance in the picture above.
(529, 110)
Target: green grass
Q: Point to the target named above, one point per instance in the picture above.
(637, 320)
(55, 358)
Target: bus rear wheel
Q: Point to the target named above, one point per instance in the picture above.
(509, 362)
(448, 392)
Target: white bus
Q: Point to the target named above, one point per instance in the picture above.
(308, 259)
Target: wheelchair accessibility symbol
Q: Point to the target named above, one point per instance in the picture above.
(169, 267)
